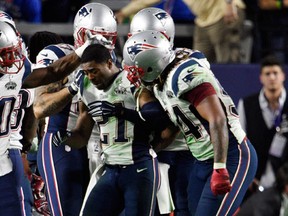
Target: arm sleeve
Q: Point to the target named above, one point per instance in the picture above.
(151, 115)
(199, 93)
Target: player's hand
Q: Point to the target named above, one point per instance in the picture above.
(100, 39)
(93, 39)
(60, 137)
(220, 182)
(104, 108)
(75, 85)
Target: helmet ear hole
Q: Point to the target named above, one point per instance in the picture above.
(149, 69)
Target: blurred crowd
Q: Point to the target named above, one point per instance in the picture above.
(269, 19)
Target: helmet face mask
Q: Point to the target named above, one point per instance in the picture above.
(146, 55)
(11, 55)
(81, 36)
(134, 74)
(98, 19)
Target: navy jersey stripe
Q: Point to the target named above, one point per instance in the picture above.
(197, 55)
(27, 69)
(177, 73)
(59, 53)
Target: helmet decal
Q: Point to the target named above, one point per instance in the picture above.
(137, 48)
(4, 15)
(84, 12)
(162, 17)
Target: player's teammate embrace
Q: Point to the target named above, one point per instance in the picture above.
(186, 87)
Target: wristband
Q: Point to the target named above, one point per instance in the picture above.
(219, 166)
(79, 51)
(72, 91)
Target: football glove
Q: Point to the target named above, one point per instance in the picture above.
(104, 108)
(220, 182)
(40, 202)
(41, 207)
(100, 39)
(60, 137)
(92, 39)
(73, 88)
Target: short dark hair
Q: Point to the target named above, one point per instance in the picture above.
(97, 53)
(271, 60)
(41, 39)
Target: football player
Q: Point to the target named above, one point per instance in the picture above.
(14, 69)
(99, 20)
(130, 180)
(56, 165)
(177, 155)
(186, 87)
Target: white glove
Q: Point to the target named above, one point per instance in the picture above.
(93, 39)
(100, 39)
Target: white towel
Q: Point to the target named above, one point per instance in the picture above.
(164, 197)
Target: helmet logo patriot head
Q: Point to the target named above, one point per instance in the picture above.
(137, 48)
(83, 12)
(5, 16)
(161, 16)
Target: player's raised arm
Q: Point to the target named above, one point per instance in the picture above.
(58, 69)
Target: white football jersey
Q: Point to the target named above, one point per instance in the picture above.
(24, 100)
(9, 89)
(116, 135)
(190, 72)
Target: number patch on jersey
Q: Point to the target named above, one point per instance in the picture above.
(188, 126)
(6, 107)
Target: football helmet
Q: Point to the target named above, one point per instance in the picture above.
(145, 56)
(153, 19)
(52, 53)
(11, 55)
(98, 19)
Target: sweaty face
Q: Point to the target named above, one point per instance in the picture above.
(272, 77)
(98, 73)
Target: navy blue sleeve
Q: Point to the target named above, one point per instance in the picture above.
(152, 115)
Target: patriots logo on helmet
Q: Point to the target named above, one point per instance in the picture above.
(84, 12)
(137, 48)
(5, 15)
(161, 16)
(45, 62)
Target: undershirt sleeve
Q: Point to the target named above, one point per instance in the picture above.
(196, 95)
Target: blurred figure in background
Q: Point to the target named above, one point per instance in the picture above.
(264, 117)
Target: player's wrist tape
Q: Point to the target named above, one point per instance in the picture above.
(219, 166)
(72, 90)
(79, 51)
